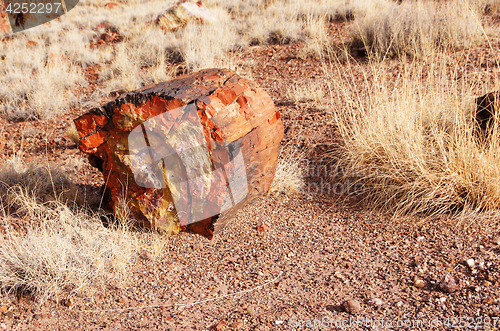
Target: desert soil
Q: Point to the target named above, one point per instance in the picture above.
(286, 261)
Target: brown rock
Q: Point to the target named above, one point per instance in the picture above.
(185, 154)
(178, 15)
(449, 284)
(419, 283)
(351, 306)
(488, 106)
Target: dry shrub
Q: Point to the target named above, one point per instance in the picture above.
(64, 251)
(409, 146)
(489, 7)
(44, 182)
(290, 171)
(417, 28)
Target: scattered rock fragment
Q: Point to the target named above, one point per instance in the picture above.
(419, 283)
(470, 263)
(351, 306)
(487, 107)
(111, 5)
(180, 14)
(264, 227)
(374, 302)
(449, 284)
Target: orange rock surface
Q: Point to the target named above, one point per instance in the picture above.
(209, 142)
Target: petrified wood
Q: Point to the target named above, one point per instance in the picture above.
(185, 154)
(488, 107)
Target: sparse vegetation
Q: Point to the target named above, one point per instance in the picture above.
(410, 143)
(63, 251)
(417, 28)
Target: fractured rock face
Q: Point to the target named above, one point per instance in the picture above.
(178, 15)
(188, 153)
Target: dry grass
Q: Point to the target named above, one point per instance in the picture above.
(290, 171)
(56, 63)
(410, 145)
(44, 182)
(311, 91)
(489, 7)
(418, 28)
(64, 251)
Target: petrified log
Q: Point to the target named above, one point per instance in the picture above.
(183, 12)
(188, 153)
(488, 107)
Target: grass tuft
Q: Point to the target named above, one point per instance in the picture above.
(417, 28)
(409, 146)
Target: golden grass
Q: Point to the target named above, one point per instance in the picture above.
(418, 28)
(64, 252)
(410, 145)
(55, 65)
(290, 171)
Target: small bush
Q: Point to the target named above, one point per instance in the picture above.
(409, 145)
(64, 252)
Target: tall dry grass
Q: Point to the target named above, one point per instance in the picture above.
(56, 63)
(64, 252)
(418, 28)
(409, 142)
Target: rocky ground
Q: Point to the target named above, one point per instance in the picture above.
(303, 261)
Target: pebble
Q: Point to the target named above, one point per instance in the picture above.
(470, 263)
(351, 306)
(449, 284)
(237, 325)
(419, 283)
(123, 300)
(374, 302)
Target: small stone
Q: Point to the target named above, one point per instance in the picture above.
(220, 325)
(419, 283)
(470, 263)
(449, 284)
(486, 283)
(442, 299)
(489, 301)
(264, 227)
(351, 306)
(123, 300)
(237, 325)
(374, 302)
(67, 302)
(4, 308)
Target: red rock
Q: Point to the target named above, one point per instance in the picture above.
(31, 43)
(215, 135)
(111, 5)
(263, 227)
